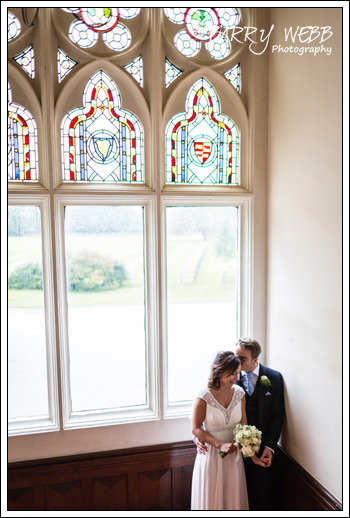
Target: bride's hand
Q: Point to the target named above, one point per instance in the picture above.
(258, 462)
(227, 447)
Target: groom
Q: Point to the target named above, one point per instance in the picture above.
(265, 410)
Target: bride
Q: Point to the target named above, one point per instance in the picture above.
(219, 483)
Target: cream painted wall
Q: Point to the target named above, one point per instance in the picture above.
(304, 274)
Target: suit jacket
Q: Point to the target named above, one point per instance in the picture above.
(270, 407)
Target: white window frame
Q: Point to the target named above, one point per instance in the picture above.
(244, 303)
(147, 412)
(52, 423)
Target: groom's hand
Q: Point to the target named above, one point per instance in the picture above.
(267, 456)
(201, 447)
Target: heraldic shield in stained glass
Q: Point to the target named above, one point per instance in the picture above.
(101, 141)
(201, 144)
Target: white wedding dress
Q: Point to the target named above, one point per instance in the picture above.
(219, 483)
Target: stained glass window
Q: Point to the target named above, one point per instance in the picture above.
(92, 20)
(201, 144)
(101, 141)
(14, 27)
(64, 64)
(234, 76)
(22, 142)
(171, 73)
(27, 62)
(135, 68)
(203, 25)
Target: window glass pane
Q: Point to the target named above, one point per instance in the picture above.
(27, 374)
(202, 284)
(106, 310)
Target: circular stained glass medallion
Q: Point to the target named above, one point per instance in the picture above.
(202, 24)
(100, 18)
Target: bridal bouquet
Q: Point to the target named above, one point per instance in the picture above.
(247, 438)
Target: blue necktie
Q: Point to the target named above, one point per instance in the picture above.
(249, 382)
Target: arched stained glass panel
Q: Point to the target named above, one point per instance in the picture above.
(201, 145)
(101, 141)
(13, 27)
(22, 143)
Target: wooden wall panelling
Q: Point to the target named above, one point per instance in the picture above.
(186, 487)
(110, 493)
(300, 490)
(20, 498)
(64, 495)
(155, 490)
(151, 478)
(137, 479)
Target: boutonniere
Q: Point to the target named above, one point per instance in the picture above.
(264, 380)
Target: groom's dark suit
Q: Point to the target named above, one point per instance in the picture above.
(265, 410)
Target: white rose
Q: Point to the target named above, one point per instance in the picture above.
(248, 433)
(239, 436)
(246, 442)
(255, 440)
(248, 451)
(256, 448)
(263, 378)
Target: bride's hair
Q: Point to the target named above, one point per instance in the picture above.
(225, 362)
